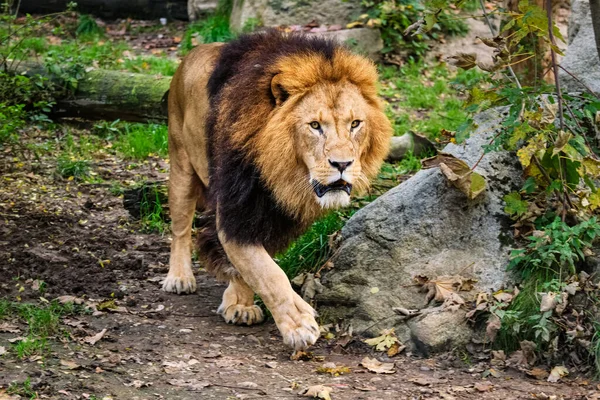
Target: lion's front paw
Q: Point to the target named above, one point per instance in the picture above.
(296, 322)
(239, 314)
(179, 284)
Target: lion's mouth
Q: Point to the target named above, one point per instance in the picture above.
(321, 190)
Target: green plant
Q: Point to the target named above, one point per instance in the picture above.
(139, 141)
(214, 28)
(12, 118)
(30, 346)
(310, 251)
(87, 26)
(394, 17)
(72, 167)
(152, 214)
(22, 389)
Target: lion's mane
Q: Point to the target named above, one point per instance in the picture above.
(253, 165)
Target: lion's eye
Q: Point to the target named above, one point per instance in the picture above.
(315, 125)
(355, 123)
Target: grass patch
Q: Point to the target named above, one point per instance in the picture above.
(214, 28)
(68, 166)
(310, 251)
(22, 389)
(425, 99)
(152, 214)
(138, 141)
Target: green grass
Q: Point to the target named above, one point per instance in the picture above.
(43, 321)
(30, 346)
(423, 98)
(152, 213)
(69, 166)
(310, 251)
(138, 141)
(22, 389)
(214, 28)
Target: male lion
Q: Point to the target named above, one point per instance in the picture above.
(266, 133)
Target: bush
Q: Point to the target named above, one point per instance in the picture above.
(395, 16)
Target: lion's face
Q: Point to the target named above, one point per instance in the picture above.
(332, 122)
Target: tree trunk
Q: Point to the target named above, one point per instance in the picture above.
(110, 95)
(595, 8)
(149, 9)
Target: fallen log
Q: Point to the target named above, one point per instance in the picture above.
(109, 95)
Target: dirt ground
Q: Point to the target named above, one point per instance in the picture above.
(80, 241)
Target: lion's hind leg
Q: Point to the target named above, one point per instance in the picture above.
(238, 305)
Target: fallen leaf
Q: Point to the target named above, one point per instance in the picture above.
(9, 328)
(377, 366)
(483, 386)
(548, 302)
(93, 339)
(384, 341)
(465, 61)
(318, 392)
(421, 381)
(335, 370)
(493, 326)
(538, 373)
(2, 350)
(69, 364)
(557, 373)
(69, 299)
(395, 349)
(458, 173)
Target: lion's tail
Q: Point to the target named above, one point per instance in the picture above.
(210, 251)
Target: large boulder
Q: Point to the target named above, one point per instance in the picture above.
(581, 58)
(425, 226)
(200, 8)
(293, 12)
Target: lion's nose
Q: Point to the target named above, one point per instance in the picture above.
(340, 165)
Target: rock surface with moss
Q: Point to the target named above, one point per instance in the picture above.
(293, 12)
(424, 227)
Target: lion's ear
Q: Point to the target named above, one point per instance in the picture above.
(279, 93)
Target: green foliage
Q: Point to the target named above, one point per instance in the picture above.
(554, 252)
(12, 118)
(87, 26)
(153, 217)
(311, 250)
(138, 141)
(214, 28)
(394, 16)
(69, 166)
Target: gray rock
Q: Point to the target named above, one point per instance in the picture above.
(364, 41)
(581, 57)
(293, 12)
(427, 227)
(199, 8)
(439, 331)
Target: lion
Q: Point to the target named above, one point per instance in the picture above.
(266, 134)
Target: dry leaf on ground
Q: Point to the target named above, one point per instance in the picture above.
(557, 372)
(318, 392)
(458, 173)
(377, 366)
(335, 370)
(538, 373)
(69, 364)
(93, 339)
